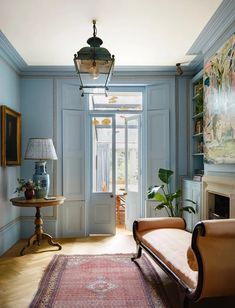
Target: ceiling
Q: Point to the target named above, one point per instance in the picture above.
(137, 32)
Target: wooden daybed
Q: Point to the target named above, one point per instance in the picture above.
(202, 263)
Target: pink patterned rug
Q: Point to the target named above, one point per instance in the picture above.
(100, 281)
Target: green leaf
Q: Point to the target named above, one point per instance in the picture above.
(152, 191)
(189, 200)
(164, 175)
(159, 197)
(160, 206)
(175, 195)
(188, 209)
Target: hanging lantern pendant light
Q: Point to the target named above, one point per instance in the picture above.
(94, 65)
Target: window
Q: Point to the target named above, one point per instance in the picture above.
(116, 101)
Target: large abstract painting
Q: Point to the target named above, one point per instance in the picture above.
(219, 118)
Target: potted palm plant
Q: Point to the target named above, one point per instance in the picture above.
(171, 202)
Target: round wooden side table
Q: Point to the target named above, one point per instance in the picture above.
(39, 234)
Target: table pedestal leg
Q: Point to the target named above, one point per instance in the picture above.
(31, 241)
(50, 241)
(39, 234)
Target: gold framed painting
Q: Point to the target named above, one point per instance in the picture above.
(10, 137)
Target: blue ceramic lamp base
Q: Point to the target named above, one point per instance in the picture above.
(42, 176)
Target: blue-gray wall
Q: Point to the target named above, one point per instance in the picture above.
(37, 114)
(37, 122)
(9, 215)
(33, 92)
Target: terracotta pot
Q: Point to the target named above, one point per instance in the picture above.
(29, 194)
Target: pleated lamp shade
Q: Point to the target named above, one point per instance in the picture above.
(40, 149)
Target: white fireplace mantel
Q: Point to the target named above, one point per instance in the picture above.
(217, 185)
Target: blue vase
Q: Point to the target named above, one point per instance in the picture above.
(42, 176)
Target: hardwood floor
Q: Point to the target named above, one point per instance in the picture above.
(20, 275)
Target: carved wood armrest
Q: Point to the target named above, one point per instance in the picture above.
(213, 243)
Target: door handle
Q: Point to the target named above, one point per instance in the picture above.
(111, 195)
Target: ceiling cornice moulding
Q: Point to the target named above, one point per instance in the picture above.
(222, 20)
(118, 71)
(10, 54)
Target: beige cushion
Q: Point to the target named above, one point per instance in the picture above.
(192, 261)
(171, 246)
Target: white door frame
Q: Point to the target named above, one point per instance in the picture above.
(142, 114)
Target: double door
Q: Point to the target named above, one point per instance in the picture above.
(115, 155)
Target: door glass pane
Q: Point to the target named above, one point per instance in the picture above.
(102, 154)
(120, 153)
(132, 155)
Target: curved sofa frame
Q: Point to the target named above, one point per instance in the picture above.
(210, 228)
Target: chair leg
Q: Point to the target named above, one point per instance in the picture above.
(138, 253)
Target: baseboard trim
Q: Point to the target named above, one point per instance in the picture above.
(9, 235)
(10, 224)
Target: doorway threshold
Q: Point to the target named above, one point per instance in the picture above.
(101, 234)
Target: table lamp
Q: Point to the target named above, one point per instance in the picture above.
(41, 149)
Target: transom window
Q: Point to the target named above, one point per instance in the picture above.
(116, 101)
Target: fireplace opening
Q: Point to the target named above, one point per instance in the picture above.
(219, 207)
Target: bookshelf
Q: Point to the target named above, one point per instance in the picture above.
(197, 112)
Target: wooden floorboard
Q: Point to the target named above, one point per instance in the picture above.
(20, 275)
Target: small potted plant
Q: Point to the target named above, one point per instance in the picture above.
(171, 202)
(28, 187)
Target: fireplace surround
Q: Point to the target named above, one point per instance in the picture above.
(220, 188)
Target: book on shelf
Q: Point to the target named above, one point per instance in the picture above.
(198, 88)
(198, 127)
